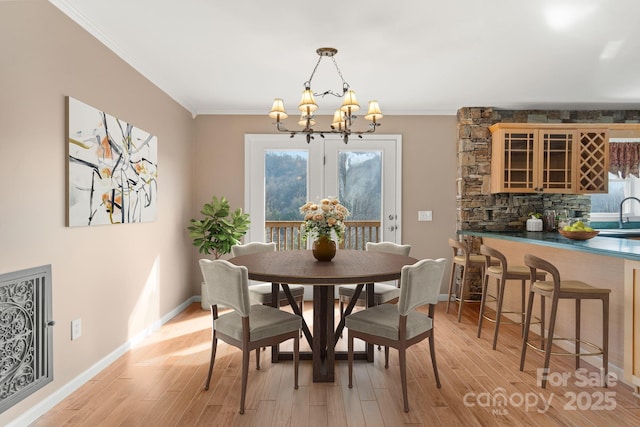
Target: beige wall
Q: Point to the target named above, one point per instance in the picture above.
(122, 279)
(428, 172)
(118, 279)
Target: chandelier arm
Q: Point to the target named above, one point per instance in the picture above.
(329, 92)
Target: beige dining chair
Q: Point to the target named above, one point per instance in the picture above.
(382, 292)
(261, 292)
(401, 326)
(247, 326)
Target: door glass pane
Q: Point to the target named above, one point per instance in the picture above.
(360, 190)
(286, 174)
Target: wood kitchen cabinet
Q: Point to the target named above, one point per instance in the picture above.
(535, 158)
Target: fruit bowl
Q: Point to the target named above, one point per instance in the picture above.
(579, 235)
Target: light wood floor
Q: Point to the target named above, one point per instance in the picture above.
(160, 383)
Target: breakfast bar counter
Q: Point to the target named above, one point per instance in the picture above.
(606, 246)
(606, 262)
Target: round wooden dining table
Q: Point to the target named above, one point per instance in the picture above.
(362, 268)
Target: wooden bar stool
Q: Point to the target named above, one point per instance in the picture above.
(555, 290)
(496, 266)
(463, 258)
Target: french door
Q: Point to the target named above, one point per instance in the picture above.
(282, 173)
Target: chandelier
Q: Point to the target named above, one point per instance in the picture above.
(342, 118)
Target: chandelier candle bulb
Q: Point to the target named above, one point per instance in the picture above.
(350, 103)
(338, 120)
(308, 103)
(277, 110)
(374, 112)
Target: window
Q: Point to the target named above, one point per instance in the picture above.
(606, 207)
(285, 181)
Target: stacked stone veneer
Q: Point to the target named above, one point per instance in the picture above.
(477, 208)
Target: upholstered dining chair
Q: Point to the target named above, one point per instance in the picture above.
(383, 293)
(247, 326)
(261, 292)
(401, 326)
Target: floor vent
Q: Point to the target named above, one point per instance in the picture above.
(26, 334)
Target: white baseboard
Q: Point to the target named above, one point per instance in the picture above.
(59, 395)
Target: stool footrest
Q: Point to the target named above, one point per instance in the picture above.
(559, 353)
(534, 320)
(457, 298)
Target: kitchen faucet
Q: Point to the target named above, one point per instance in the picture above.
(620, 221)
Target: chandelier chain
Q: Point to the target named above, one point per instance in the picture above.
(345, 85)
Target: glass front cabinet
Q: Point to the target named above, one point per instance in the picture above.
(535, 158)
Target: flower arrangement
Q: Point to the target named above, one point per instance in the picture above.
(320, 219)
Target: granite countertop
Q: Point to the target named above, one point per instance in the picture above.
(606, 246)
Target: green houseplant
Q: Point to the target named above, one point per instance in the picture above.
(220, 228)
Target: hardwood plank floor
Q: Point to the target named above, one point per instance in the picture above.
(160, 383)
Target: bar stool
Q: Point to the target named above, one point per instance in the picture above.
(556, 289)
(463, 258)
(496, 266)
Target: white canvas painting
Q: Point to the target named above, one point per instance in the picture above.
(113, 169)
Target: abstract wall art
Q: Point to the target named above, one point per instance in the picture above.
(113, 169)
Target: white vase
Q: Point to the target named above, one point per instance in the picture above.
(534, 224)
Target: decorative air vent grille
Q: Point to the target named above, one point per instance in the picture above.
(26, 334)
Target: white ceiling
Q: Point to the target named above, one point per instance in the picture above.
(413, 56)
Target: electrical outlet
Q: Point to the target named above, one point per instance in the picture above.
(425, 215)
(76, 329)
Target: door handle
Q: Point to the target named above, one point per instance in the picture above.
(393, 228)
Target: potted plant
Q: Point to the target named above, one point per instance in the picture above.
(220, 229)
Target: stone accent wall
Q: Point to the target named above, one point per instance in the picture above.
(477, 208)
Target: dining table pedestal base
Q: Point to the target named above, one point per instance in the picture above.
(325, 334)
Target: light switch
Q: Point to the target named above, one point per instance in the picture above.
(76, 329)
(425, 215)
